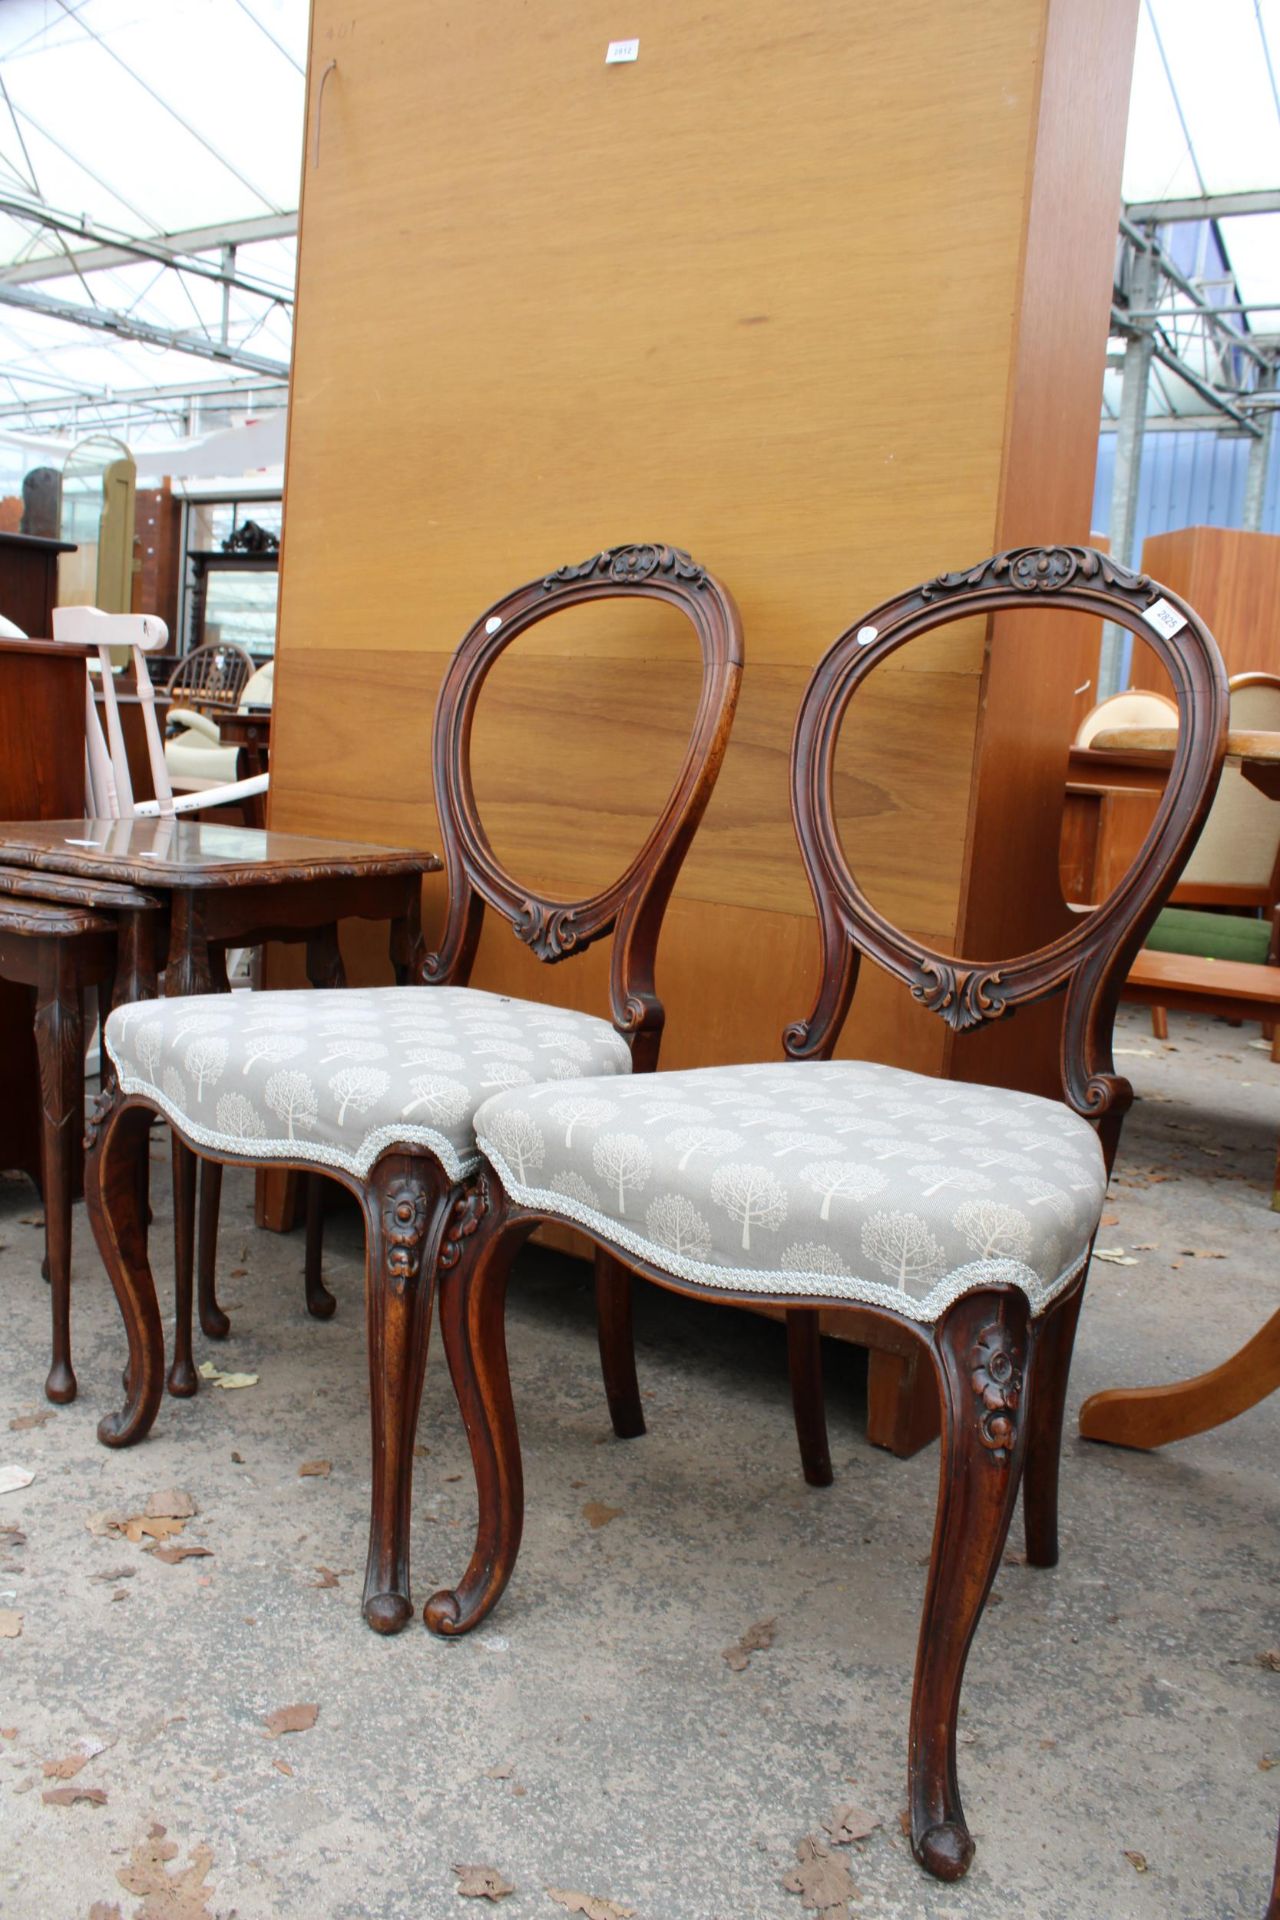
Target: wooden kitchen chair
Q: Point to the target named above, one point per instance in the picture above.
(376, 1087)
(956, 1215)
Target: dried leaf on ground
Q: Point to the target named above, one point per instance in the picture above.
(1138, 1861)
(482, 1883)
(174, 1556)
(142, 1526)
(847, 1824)
(227, 1381)
(1109, 1220)
(105, 1910)
(1269, 1660)
(587, 1904)
(10, 1624)
(1265, 1763)
(167, 1896)
(315, 1469)
(598, 1514)
(115, 1573)
(756, 1639)
(498, 1773)
(330, 1576)
(1115, 1255)
(282, 1766)
(13, 1479)
(11, 1537)
(23, 1421)
(822, 1879)
(171, 1503)
(66, 1768)
(71, 1796)
(299, 1719)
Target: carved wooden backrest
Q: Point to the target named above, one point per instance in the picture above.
(1089, 963)
(632, 908)
(211, 676)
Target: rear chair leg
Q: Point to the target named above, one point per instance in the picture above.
(808, 1396)
(1047, 1400)
(982, 1348)
(321, 1304)
(617, 1346)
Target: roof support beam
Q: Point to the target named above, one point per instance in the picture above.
(127, 327)
(124, 249)
(1208, 206)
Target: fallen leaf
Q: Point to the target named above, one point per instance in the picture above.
(1115, 1255)
(237, 1273)
(1265, 1764)
(822, 1879)
(1109, 1220)
(330, 1576)
(282, 1766)
(599, 1514)
(106, 1520)
(499, 1773)
(755, 1640)
(141, 1526)
(227, 1381)
(105, 1910)
(25, 1420)
(1270, 1660)
(13, 1479)
(173, 1556)
(115, 1573)
(1138, 1861)
(315, 1470)
(847, 1824)
(483, 1883)
(171, 1504)
(10, 1624)
(237, 1459)
(588, 1905)
(65, 1769)
(11, 1733)
(167, 1896)
(11, 1537)
(290, 1720)
(71, 1796)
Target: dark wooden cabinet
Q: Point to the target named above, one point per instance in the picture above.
(29, 581)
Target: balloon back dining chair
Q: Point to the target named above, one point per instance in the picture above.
(376, 1087)
(960, 1215)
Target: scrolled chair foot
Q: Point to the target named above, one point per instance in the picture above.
(443, 1615)
(945, 1851)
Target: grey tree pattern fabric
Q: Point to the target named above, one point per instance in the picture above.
(821, 1180)
(337, 1077)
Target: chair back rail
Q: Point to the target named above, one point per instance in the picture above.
(633, 906)
(1089, 962)
(213, 675)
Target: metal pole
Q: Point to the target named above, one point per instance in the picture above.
(1255, 484)
(1130, 428)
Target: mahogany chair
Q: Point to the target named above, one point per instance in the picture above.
(376, 1087)
(960, 1216)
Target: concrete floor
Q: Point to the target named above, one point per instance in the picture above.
(591, 1737)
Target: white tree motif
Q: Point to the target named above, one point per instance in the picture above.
(690, 1140)
(669, 1106)
(149, 1045)
(1043, 1193)
(893, 1147)
(968, 1179)
(579, 1110)
(569, 1044)
(293, 1097)
(856, 1123)
(501, 1049)
(518, 1138)
(446, 1101)
(990, 1228)
(841, 1180)
(175, 1088)
(274, 1047)
(238, 1118)
(354, 1049)
(204, 1060)
(676, 1224)
(787, 1140)
(574, 1187)
(999, 1157)
(358, 1087)
(439, 1059)
(503, 1074)
(750, 1195)
(199, 1022)
(902, 1246)
(810, 1256)
(624, 1161)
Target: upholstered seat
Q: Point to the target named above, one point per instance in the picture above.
(828, 1180)
(338, 1077)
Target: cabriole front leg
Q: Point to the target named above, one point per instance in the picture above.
(117, 1137)
(407, 1203)
(982, 1351)
(473, 1294)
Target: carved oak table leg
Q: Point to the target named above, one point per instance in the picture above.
(406, 1205)
(982, 1345)
(115, 1139)
(59, 1027)
(473, 1292)
(617, 1345)
(808, 1396)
